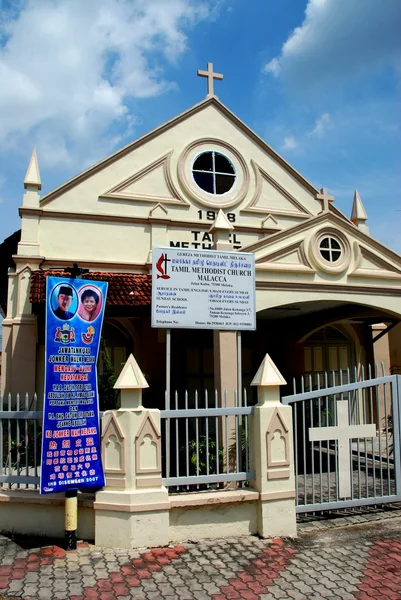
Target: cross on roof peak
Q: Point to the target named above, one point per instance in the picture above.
(210, 77)
(325, 199)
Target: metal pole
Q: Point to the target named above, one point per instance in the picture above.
(71, 496)
(167, 399)
(239, 398)
(168, 367)
(239, 368)
(71, 519)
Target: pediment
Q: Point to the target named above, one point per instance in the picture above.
(370, 264)
(152, 183)
(148, 171)
(272, 198)
(298, 250)
(291, 257)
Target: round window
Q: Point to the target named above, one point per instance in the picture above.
(213, 172)
(330, 249)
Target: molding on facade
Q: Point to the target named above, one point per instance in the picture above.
(165, 127)
(184, 170)
(384, 268)
(47, 214)
(148, 482)
(285, 495)
(260, 175)
(131, 508)
(113, 429)
(148, 429)
(314, 250)
(296, 286)
(322, 218)
(213, 498)
(267, 263)
(117, 191)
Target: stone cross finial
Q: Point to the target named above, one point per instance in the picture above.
(325, 199)
(210, 77)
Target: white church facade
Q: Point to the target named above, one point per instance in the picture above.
(324, 286)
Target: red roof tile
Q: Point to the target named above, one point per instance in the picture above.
(125, 289)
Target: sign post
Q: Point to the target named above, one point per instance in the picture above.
(71, 457)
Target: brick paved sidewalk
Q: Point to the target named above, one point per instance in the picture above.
(362, 562)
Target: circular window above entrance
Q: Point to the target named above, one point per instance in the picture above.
(330, 250)
(213, 173)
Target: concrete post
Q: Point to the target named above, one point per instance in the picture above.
(271, 455)
(224, 342)
(20, 325)
(133, 509)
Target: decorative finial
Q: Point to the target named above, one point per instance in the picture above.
(358, 214)
(221, 223)
(32, 177)
(325, 199)
(210, 77)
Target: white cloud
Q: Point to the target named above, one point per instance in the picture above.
(322, 124)
(71, 68)
(289, 143)
(340, 39)
(273, 67)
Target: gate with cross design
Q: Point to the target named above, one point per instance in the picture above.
(347, 443)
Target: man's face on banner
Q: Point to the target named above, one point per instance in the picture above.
(64, 301)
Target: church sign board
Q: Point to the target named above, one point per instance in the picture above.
(71, 457)
(203, 289)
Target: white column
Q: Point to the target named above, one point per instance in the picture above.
(133, 509)
(271, 454)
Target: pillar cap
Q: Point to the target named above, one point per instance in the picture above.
(131, 377)
(221, 223)
(268, 374)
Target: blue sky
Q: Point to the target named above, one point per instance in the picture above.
(319, 80)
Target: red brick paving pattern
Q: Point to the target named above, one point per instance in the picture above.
(382, 572)
(265, 573)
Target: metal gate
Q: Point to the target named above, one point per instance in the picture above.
(347, 444)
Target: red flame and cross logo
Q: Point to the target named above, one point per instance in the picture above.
(162, 265)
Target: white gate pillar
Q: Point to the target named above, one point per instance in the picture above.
(133, 509)
(272, 456)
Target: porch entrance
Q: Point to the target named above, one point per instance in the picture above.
(347, 444)
(329, 350)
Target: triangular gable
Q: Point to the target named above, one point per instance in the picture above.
(153, 183)
(369, 264)
(289, 258)
(165, 127)
(366, 256)
(270, 197)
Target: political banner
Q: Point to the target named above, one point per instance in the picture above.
(71, 457)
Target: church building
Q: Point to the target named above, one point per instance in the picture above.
(327, 292)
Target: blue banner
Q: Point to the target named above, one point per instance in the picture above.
(71, 456)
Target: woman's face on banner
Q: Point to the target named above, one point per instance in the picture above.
(89, 304)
